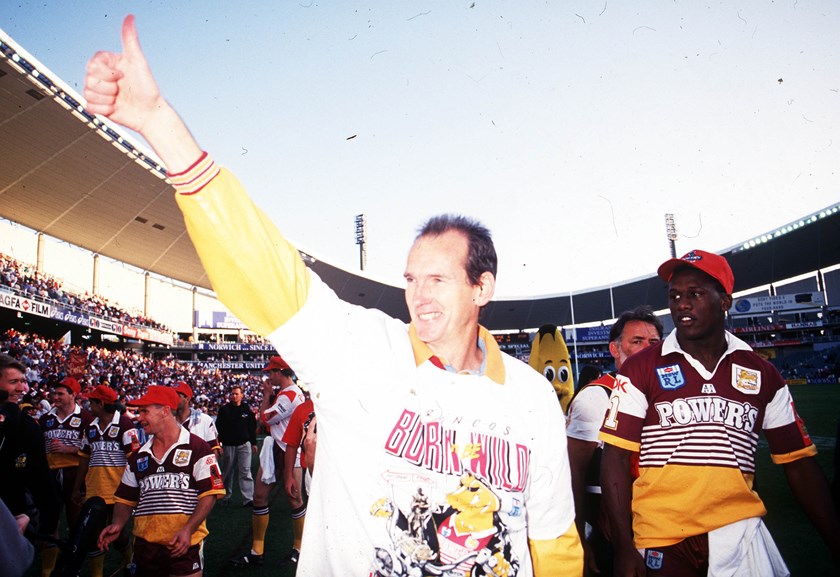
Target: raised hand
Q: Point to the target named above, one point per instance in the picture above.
(121, 86)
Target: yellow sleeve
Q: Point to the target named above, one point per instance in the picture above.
(558, 557)
(255, 272)
(781, 459)
(619, 442)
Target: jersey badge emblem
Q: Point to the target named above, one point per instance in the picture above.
(49, 422)
(113, 432)
(653, 559)
(75, 422)
(181, 458)
(670, 377)
(142, 464)
(708, 389)
(20, 461)
(91, 434)
(748, 381)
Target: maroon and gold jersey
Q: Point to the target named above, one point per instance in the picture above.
(166, 492)
(70, 431)
(294, 432)
(697, 433)
(107, 447)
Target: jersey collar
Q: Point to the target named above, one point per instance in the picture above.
(183, 438)
(733, 343)
(492, 366)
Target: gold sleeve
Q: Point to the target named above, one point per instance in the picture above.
(558, 557)
(255, 272)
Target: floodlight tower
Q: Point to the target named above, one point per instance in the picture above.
(671, 232)
(361, 239)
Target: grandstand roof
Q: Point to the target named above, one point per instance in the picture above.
(71, 176)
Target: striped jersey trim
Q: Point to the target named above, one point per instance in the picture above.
(196, 177)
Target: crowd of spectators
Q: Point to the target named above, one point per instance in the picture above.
(815, 366)
(129, 372)
(25, 280)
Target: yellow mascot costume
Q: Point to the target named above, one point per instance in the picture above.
(550, 357)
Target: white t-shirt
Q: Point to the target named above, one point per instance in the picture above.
(410, 456)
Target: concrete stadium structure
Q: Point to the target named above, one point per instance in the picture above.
(72, 176)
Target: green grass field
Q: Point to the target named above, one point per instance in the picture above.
(819, 406)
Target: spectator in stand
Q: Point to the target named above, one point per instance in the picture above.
(194, 420)
(237, 428)
(27, 281)
(633, 331)
(64, 428)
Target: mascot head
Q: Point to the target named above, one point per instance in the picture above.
(550, 357)
(474, 503)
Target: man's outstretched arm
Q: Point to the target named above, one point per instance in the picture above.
(256, 273)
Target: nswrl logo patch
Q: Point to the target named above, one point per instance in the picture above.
(653, 559)
(670, 377)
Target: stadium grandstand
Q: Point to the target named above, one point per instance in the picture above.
(122, 207)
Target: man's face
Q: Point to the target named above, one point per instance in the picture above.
(63, 398)
(635, 336)
(278, 379)
(96, 407)
(153, 417)
(444, 306)
(13, 382)
(183, 401)
(236, 396)
(698, 309)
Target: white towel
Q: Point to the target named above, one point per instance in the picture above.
(267, 461)
(745, 549)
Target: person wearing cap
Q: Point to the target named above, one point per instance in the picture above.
(194, 420)
(171, 484)
(276, 408)
(414, 419)
(64, 427)
(108, 441)
(694, 405)
(237, 428)
(24, 472)
(632, 331)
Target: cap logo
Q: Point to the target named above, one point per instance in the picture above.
(692, 257)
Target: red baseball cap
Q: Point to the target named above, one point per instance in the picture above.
(184, 389)
(157, 395)
(71, 384)
(104, 394)
(712, 264)
(276, 363)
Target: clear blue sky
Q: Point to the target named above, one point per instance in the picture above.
(568, 128)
